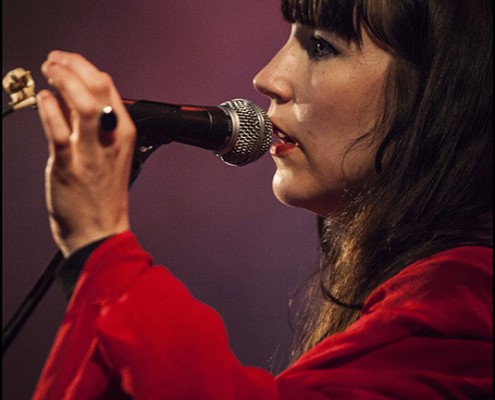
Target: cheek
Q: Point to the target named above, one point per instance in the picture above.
(337, 146)
(346, 107)
(339, 171)
(357, 168)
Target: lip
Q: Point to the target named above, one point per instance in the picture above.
(281, 149)
(286, 143)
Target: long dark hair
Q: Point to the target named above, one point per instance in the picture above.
(433, 189)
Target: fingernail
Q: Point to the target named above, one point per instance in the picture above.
(58, 56)
(42, 95)
(47, 66)
(53, 55)
(43, 98)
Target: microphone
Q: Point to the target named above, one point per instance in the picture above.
(237, 131)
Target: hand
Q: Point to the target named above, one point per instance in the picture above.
(88, 169)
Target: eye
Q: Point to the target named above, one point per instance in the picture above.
(320, 48)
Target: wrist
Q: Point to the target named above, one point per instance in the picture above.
(70, 244)
(68, 272)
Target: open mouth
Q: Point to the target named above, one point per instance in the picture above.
(285, 145)
(283, 137)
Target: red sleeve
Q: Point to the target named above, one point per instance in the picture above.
(132, 328)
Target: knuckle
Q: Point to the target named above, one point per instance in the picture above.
(129, 134)
(89, 111)
(72, 57)
(68, 59)
(100, 83)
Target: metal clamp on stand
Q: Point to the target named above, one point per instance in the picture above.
(19, 84)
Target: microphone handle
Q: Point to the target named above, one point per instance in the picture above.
(160, 123)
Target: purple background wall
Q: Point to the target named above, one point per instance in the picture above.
(218, 228)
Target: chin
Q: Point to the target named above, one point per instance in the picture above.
(293, 200)
(316, 204)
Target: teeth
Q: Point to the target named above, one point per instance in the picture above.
(283, 137)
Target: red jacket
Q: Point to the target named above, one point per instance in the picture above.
(134, 330)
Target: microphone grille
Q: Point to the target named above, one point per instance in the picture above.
(252, 132)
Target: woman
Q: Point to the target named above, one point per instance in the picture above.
(383, 110)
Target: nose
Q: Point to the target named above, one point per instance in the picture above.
(274, 80)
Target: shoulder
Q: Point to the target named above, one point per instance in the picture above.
(425, 333)
(449, 291)
(473, 259)
(467, 267)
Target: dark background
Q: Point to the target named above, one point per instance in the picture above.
(218, 228)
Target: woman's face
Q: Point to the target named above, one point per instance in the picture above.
(324, 94)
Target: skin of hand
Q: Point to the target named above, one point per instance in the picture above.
(88, 169)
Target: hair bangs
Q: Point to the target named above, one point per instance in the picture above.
(338, 16)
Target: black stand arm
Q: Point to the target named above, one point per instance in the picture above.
(30, 302)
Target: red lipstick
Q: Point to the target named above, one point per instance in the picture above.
(279, 149)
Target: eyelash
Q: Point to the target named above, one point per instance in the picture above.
(320, 48)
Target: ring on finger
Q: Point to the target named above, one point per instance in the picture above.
(108, 119)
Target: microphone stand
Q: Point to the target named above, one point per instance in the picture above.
(144, 148)
(30, 302)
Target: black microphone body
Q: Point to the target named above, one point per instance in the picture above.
(206, 127)
(237, 131)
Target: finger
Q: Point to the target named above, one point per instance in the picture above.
(85, 106)
(89, 82)
(93, 78)
(73, 90)
(55, 125)
(87, 71)
(125, 125)
(96, 81)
